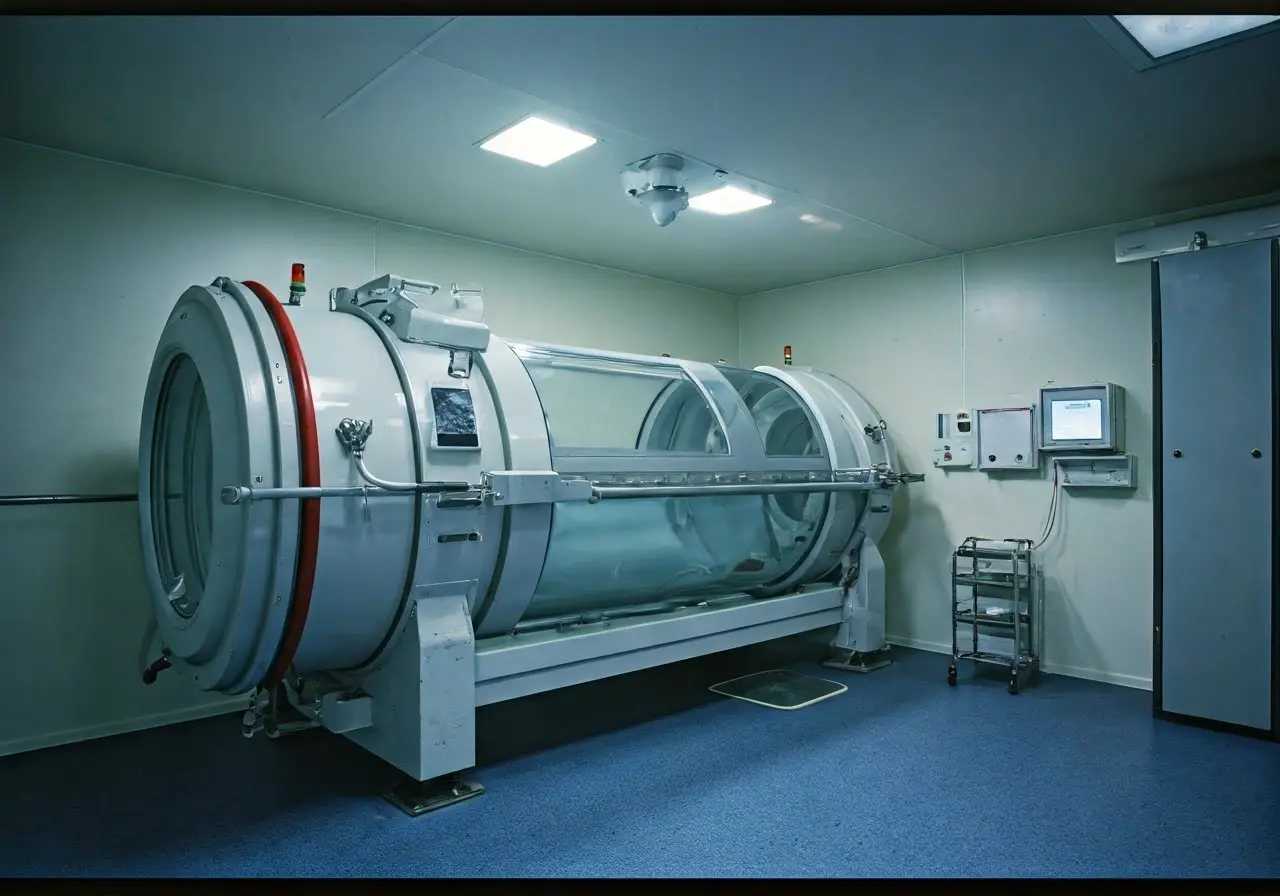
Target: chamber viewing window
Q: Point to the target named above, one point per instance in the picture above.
(610, 406)
(182, 487)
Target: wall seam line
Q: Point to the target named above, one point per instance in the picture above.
(964, 336)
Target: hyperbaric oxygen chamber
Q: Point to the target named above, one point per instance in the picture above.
(381, 516)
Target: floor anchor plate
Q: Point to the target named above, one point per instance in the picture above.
(857, 661)
(420, 797)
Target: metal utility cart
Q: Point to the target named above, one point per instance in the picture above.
(995, 593)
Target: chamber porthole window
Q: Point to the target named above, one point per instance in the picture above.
(182, 487)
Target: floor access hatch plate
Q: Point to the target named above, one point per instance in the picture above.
(779, 689)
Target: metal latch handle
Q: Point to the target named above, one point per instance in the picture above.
(419, 285)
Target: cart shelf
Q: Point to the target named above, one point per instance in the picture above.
(983, 619)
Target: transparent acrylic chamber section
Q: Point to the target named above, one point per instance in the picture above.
(601, 406)
(626, 420)
(785, 427)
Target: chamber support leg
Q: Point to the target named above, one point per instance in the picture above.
(446, 706)
(424, 702)
(859, 644)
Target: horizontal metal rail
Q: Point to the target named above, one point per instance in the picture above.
(244, 494)
(30, 500)
(240, 494)
(612, 492)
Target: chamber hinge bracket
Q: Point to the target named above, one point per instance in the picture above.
(422, 313)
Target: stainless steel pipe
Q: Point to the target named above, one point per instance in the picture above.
(28, 500)
(611, 492)
(242, 494)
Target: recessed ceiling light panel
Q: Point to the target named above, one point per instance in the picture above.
(538, 142)
(1163, 35)
(728, 201)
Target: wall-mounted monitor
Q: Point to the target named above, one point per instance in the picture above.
(1082, 418)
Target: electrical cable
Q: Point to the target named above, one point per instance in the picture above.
(1052, 516)
(1053, 512)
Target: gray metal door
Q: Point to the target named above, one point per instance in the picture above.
(1216, 385)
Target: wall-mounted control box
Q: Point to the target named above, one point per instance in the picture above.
(954, 447)
(1096, 471)
(1007, 439)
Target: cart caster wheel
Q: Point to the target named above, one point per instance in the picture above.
(1013, 685)
(951, 676)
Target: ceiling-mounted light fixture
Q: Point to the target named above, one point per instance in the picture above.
(538, 142)
(1162, 35)
(1147, 41)
(728, 201)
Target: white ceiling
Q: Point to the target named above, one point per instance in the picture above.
(904, 137)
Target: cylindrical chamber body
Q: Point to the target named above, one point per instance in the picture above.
(222, 408)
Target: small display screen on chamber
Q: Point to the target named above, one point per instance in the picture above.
(455, 418)
(1076, 420)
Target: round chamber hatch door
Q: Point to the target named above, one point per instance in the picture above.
(220, 576)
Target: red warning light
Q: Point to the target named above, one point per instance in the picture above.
(786, 354)
(297, 283)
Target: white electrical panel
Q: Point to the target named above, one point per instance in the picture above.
(1007, 439)
(956, 444)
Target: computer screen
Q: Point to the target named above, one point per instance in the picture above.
(1076, 419)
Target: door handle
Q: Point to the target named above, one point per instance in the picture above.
(1177, 452)
(1256, 452)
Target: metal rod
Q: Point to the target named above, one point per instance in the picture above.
(244, 494)
(605, 493)
(27, 500)
(239, 494)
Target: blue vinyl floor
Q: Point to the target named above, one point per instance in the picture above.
(651, 775)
